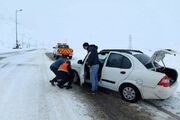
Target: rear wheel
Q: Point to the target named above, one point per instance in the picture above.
(129, 93)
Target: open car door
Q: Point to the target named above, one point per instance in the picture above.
(83, 73)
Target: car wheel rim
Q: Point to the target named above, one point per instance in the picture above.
(129, 93)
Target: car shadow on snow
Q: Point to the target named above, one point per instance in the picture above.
(172, 104)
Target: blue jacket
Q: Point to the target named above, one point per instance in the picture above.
(93, 57)
(57, 63)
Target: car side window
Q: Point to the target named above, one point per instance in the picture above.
(118, 61)
(102, 57)
(126, 63)
(114, 60)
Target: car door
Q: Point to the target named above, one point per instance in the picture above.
(83, 73)
(102, 58)
(115, 70)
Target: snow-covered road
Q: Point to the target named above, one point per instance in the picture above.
(25, 93)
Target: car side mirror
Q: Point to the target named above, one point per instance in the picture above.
(80, 62)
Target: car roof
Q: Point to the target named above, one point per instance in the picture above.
(129, 51)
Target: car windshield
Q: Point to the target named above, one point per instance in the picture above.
(145, 60)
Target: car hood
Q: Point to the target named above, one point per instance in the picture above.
(160, 54)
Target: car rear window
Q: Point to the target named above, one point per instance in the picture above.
(145, 60)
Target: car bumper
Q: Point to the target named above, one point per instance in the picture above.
(165, 92)
(158, 92)
(61, 54)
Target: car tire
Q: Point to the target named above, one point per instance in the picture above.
(129, 93)
(76, 79)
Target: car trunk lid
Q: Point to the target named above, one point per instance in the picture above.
(160, 55)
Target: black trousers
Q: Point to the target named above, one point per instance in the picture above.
(64, 77)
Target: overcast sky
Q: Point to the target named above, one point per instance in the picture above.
(152, 24)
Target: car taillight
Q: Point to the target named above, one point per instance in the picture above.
(164, 82)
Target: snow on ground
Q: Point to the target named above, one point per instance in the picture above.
(27, 95)
(25, 89)
(7, 50)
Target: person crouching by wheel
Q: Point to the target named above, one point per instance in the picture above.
(54, 68)
(65, 73)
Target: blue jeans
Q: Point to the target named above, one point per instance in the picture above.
(94, 77)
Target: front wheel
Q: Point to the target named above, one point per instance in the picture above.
(129, 93)
(76, 79)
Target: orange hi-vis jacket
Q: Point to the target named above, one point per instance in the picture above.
(63, 67)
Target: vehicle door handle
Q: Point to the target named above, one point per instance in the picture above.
(123, 72)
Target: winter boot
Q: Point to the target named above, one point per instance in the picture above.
(68, 87)
(60, 86)
(52, 82)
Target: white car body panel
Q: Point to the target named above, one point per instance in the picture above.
(114, 75)
(80, 71)
(159, 92)
(79, 68)
(164, 93)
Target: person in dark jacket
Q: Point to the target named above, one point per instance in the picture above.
(62, 69)
(93, 64)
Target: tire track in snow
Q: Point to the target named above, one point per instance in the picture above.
(4, 65)
(162, 109)
(173, 116)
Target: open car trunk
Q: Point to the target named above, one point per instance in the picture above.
(171, 73)
(159, 56)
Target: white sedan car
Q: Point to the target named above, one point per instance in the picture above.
(132, 73)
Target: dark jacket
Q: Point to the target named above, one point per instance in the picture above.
(93, 57)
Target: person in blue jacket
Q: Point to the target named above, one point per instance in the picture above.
(64, 74)
(54, 68)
